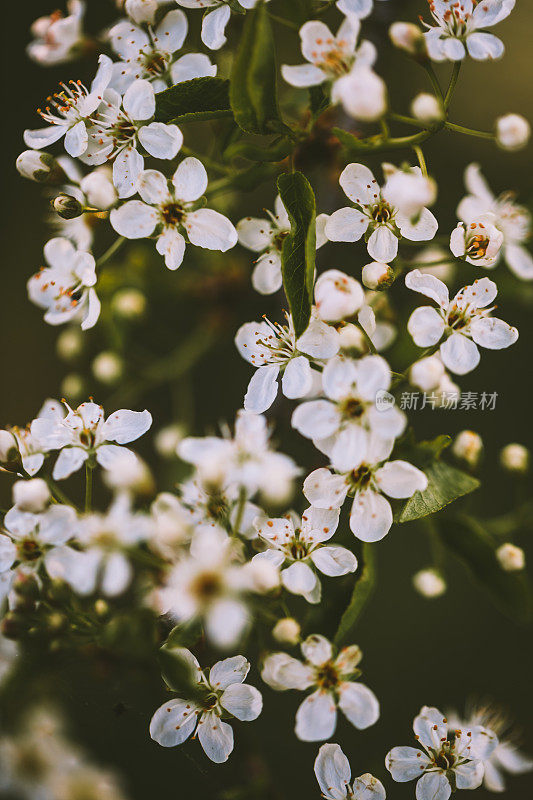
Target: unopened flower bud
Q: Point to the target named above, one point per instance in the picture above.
(69, 343)
(429, 583)
(512, 131)
(408, 37)
(101, 607)
(287, 631)
(35, 165)
(468, 447)
(427, 108)
(515, 458)
(32, 495)
(67, 206)
(363, 94)
(337, 296)
(129, 303)
(377, 276)
(167, 440)
(352, 338)
(427, 373)
(72, 386)
(9, 449)
(141, 10)
(131, 474)
(107, 367)
(511, 557)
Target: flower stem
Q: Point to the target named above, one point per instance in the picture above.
(433, 78)
(88, 486)
(421, 160)
(468, 131)
(111, 251)
(453, 83)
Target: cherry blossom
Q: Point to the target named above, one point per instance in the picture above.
(215, 18)
(460, 29)
(463, 322)
(296, 547)
(449, 760)
(333, 773)
(372, 215)
(219, 694)
(479, 242)
(58, 37)
(330, 678)
(173, 211)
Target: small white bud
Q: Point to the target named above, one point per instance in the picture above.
(429, 583)
(427, 373)
(72, 386)
(468, 447)
(129, 303)
(67, 207)
(408, 37)
(167, 440)
(263, 576)
(512, 131)
(32, 495)
(515, 458)
(69, 343)
(377, 276)
(287, 631)
(9, 449)
(107, 367)
(426, 108)
(141, 10)
(511, 557)
(363, 94)
(99, 189)
(131, 474)
(352, 338)
(337, 296)
(34, 165)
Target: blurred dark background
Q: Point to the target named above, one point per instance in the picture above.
(446, 652)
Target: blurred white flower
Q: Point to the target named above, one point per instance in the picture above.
(58, 37)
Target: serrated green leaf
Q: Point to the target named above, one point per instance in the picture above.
(445, 484)
(299, 247)
(253, 84)
(197, 99)
(470, 542)
(364, 586)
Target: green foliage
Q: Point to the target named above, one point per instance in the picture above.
(197, 99)
(364, 587)
(275, 151)
(319, 100)
(178, 674)
(253, 85)
(298, 11)
(469, 541)
(299, 247)
(445, 484)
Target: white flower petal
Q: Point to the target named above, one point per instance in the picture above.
(303, 75)
(244, 702)
(160, 140)
(139, 100)
(325, 490)
(215, 736)
(69, 460)
(359, 704)
(173, 722)
(134, 220)
(426, 326)
(316, 419)
(267, 277)
(406, 763)
(459, 354)
(334, 560)
(228, 671)
(316, 717)
(346, 225)
(433, 786)
(399, 479)
(213, 27)
(209, 229)
(299, 578)
(171, 245)
(127, 168)
(371, 516)
(428, 285)
(383, 245)
(190, 180)
(332, 770)
(493, 333)
(262, 389)
(76, 139)
(482, 46)
(297, 378)
(153, 187)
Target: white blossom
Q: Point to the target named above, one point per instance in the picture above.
(450, 758)
(426, 107)
(344, 424)
(460, 29)
(408, 190)
(511, 557)
(171, 210)
(468, 447)
(274, 350)
(58, 37)
(337, 296)
(369, 477)
(479, 242)
(296, 547)
(515, 458)
(70, 113)
(65, 288)
(429, 583)
(372, 215)
(31, 495)
(511, 219)
(266, 237)
(331, 680)
(463, 323)
(222, 693)
(150, 54)
(512, 131)
(121, 127)
(84, 434)
(333, 773)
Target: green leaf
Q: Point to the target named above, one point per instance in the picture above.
(445, 484)
(185, 635)
(253, 92)
(469, 541)
(197, 99)
(362, 591)
(319, 100)
(178, 673)
(351, 143)
(299, 247)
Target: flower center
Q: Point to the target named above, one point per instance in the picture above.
(29, 550)
(327, 676)
(154, 63)
(172, 215)
(206, 586)
(477, 246)
(352, 408)
(381, 213)
(360, 477)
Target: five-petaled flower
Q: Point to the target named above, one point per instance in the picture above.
(461, 27)
(222, 693)
(463, 322)
(332, 680)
